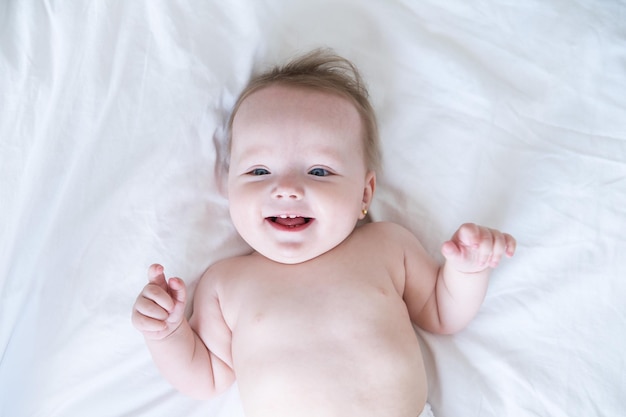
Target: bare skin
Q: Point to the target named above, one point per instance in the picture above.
(330, 336)
(317, 321)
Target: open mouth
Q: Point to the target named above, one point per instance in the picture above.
(290, 222)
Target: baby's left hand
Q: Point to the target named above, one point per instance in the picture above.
(475, 248)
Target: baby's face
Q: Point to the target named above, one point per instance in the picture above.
(297, 182)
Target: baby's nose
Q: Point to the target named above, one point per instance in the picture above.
(288, 188)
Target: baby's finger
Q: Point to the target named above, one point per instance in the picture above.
(469, 234)
(156, 276)
(159, 296)
(450, 250)
(149, 308)
(147, 324)
(147, 317)
(499, 248)
(511, 244)
(482, 242)
(178, 290)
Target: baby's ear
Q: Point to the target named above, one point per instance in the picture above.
(368, 194)
(368, 190)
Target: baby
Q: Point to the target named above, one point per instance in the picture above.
(317, 321)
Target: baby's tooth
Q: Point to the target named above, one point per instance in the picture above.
(293, 216)
(283, 216)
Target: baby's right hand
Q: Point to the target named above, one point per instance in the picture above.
(160, 308)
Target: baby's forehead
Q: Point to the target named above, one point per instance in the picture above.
(277, 113)
(282, 92)
(288, 105)
(280, 105)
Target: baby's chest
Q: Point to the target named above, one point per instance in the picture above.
(294, 295)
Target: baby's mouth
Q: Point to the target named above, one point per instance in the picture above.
(290, 221)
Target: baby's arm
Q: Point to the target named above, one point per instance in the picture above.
(446, 299)
(179, 352)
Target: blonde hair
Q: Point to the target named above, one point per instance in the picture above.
(322, 69)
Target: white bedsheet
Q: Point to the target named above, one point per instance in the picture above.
(503, 113)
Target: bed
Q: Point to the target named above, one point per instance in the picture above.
(509, 114)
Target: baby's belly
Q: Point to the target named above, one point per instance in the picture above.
(354, 368)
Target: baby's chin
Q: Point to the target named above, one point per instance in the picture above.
(291, 257)
(289, 260)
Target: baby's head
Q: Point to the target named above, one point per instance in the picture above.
(322, 70)
(303, 148)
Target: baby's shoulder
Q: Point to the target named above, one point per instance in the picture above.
(223, 277)
(226, 267)
(388, 237)
(222, 270)
(388, 232)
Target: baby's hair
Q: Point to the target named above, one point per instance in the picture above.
(322, 69)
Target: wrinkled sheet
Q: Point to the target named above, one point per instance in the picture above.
(510, 114)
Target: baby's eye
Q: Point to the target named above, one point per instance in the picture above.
(319, 172)
(259, 171)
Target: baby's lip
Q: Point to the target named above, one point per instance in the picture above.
(291, 222)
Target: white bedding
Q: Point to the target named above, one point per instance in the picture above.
(511, 114)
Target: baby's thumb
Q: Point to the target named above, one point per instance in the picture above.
(450, 250)
(178, 290)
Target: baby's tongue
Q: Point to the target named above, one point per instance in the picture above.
(296, 221)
